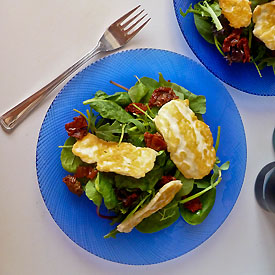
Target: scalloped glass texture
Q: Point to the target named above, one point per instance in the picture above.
(77, 217)
(240, 76)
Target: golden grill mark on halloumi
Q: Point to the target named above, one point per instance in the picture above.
(124, 159)
(237, 12)
(264, 19)
(188, 139)
(164, 196)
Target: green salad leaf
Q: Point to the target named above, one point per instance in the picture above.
(121, 98)
(104, 185)
(138, 91)
(187, 184)
(163, 218)
(207, 200)
(69, 161)
(108, 131)
(197, 103)
(92, 193)
(109, 109)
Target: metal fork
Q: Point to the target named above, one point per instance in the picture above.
(115, 37)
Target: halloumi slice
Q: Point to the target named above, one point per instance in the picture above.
(188, 139)
(237, 12)
(164, 196)
(264, 19)
(124, 158)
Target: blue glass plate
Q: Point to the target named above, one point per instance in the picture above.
(241, 76)
(77, 217)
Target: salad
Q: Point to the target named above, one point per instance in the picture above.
(242, 31)
(131, 154)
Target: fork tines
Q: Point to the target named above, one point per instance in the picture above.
(136, 19)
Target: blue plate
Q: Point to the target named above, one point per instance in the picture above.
(76, 216)
(241, 76)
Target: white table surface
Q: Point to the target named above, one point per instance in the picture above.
(39, 40)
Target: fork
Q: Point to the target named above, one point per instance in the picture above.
(115, 37)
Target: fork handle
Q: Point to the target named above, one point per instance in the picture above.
(14, 116)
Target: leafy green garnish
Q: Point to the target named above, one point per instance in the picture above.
(163, 218)
(207, 200)
(92, 193)
(187, 184)
(138, 91)
(203, 9)
(109, 109)
(109, 132)
(104, 185)
(69, 161)
(121, 98)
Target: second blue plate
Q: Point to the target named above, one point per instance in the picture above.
(241, 76)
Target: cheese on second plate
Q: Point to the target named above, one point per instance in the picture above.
(161, 199)
(124, 158)
(264, 19)
(188, 139)
(237, 12)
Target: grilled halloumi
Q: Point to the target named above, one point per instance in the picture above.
(124, 158)
(188, 139)
(237, 12)
(264, 19)
(161, 199)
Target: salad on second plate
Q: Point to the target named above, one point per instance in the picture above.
(145, 155)
(242, 30)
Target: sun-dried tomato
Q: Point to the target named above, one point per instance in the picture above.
(155, 141)
(193, 205)
(132, 109)
(161, 96)
(231, 40)
(77, 128)
(85, 172)
(164, 180)
(127, 197)
(73, 185)
(237, 48)
(243, 44)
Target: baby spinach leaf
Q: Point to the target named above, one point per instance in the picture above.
(121, 98)
(146, 183)
(163, 218)
(169, 167)
(196, 102)
(151, 85)
(140, 126)
(104, 185)
(136, 138)
(69, 161)
(207, 200)
(138, 91)
(100, 94)
(107, 131)
(204, 27)
(202, 183)
(92, 193)
(187, 184)
(109, 109)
